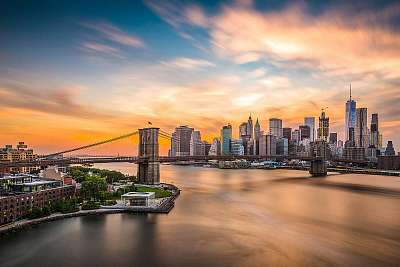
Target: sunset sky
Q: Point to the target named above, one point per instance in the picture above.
(75, 72)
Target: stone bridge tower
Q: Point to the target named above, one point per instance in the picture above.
(149, 168)
(318, 163)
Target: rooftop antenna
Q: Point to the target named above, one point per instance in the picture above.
(350, 91)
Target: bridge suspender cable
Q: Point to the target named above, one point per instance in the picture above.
(91, 145)
(170, 137)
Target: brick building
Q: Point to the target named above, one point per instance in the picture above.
(14, 207)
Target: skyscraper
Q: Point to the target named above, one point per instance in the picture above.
(226, 136)
(323, 129)
(215, 149)
(195, 144)
(275, 127)
(287, 133)
(305, 132)
(243, 129)
(257, 135)
(257, 130)
(267, 145)
(374, 131)
(333, 138)
(180, 143)
(350, 118)
(250, 127)
(237, 147)
(310, 122)
(361, 130)
(296, 136)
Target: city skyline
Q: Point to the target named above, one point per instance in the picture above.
(89, 76)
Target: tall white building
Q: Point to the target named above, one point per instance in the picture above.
(310, 122)
(350, 118)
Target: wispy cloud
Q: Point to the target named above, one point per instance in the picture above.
(101, 48)
(330, 42)
(188, 63)
(115, 34)
(61, 101)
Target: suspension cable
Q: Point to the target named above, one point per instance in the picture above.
(91, 145)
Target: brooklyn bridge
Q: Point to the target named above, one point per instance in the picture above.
(149, 160)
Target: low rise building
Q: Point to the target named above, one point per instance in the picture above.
(13, 207)
(389, 162)
(354, 153)
(21, 152)
(138, 198)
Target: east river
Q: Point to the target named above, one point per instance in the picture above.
(231, 218)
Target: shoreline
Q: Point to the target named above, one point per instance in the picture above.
(393, 173)
(164, 208)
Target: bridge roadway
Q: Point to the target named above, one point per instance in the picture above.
(162, 159)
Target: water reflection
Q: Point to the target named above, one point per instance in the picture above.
(230, 218)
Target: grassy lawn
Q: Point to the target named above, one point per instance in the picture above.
(160, 193)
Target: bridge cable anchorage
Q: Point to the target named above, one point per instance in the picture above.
(91, 145)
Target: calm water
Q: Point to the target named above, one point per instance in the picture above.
(230, 218)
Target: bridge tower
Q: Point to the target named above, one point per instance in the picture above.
(318, 163)
(149, 167)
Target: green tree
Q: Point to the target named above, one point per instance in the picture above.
(93, 187)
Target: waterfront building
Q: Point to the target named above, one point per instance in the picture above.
(282, 147)
(21, 152)
(361, 130)
(215, 148)
(310, 122)
(390, 149)
(389, 162)
(16, 205)
(275, 127)
(371, 153)
(287, 133)
(196, 145)
(207, 147)
(138, 198)
(350, 117)
(354, 153)
(323, 129)
(174, 145)
(226, 136)
(267, 145)
(374, 137)
(305, 132)
(237, 148)
(181, 139)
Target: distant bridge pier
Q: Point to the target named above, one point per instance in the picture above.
(318, 167)
(148, 168)
(318, 163)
